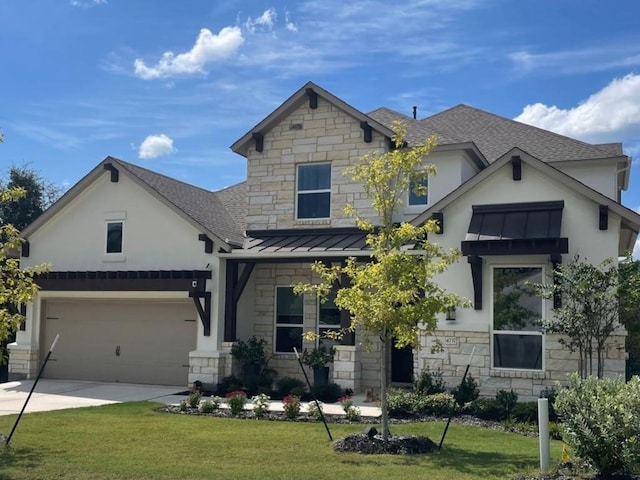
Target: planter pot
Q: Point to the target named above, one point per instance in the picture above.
(320, 376)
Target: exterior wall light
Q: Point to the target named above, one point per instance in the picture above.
(451, 315)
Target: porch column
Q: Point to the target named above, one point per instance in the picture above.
(347, 368)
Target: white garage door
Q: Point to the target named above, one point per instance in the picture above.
(119, 341)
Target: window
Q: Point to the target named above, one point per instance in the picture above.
(114, 237)
(517, 337)
(328, 319)
(415, 199)
(289, 316)
(314, 191)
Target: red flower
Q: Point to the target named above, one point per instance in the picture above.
(236, 393)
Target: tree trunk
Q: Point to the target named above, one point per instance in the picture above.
(384, 364)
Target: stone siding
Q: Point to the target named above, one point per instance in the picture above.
(24, 362)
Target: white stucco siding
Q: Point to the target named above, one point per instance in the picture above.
(601, 177)
(154, 236)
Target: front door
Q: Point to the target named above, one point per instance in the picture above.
(401, 364)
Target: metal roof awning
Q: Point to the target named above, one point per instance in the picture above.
(516, 229)
(282, 242)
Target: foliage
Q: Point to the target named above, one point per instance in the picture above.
(318, 357)
(208, 406)
(485, 409)
(236, 402)
(467, 391)
(395, 290)
(291, 405)
(601, 422)
(260, 383)
(507, 400)
(351, 412)
(629, 294)
(429, 382)
(589, 311)
(526, 412)
(229, 384)
(194, 399)
(403, 404)
(184, 405)
(327, 393)
(550, 393)
(250, 352)
(290, 385)
(316, 410)
(260, 405)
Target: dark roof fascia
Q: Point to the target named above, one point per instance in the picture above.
(520, 246)
(304, 231)
(470, 148)
(519, 207)
(240, 146)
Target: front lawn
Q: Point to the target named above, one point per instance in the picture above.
(133, 441)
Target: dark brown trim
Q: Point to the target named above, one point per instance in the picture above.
(349, 337)
(516, 164)
(519, 207)
(198, 292)
(23, 312)
(305, 231)
(230, 307)
(132, 280)
(259, 138)
(368, 131)
(115, 175)
(25, 249)
(208, 243)
(476, 276)
(519, 246)
(439, 218)
(556, 260)
(603, 217)
(313, 100)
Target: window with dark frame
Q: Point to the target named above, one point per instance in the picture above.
(114, 237)
(289, 319)
(313, 193)
(517, 311)
(414, 198)
(328, 320)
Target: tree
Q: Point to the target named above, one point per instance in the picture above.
(39, 194)
(589, 313)
(629, 293)
(394, 291)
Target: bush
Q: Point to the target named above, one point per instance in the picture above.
(601, 422)
(429, 382)
(236, 401)
(327, 393)
(208, 406)
(439, 404)
(485, 408)
(259, 384)
(194, 399)
(525, 412)
(290, 386)
(316, 411)
(402, 404)
(291, 405)
(229, 384)
(507, 401)
(550, 394)
(260, 405)
(467, 391)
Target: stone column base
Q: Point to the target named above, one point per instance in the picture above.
(24, 361)
(347, 369)
(208, 367)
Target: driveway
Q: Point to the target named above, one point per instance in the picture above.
(60, 394)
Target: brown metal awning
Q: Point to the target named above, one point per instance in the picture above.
(337, 240)
(515, 229)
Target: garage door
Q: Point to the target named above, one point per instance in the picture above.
(119, 341)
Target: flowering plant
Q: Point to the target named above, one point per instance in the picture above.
(236, 401)
(316, 410)
(351, 412)
(260, 404)
(291, 405)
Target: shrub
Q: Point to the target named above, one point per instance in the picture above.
(316, 411)
(439, 404)
(400, 403)
(429, 382)
(485, 408)
(291, 405)
(229, 384)
(260, 405)
(236, 401)
(351, 412)
(289, 386)
(601, 422)
(194, 399)
(507, 401)
(550, 393)
(260, 383)
(208, 406)
(525, 412)
(467, 391)
(183, 405)
(327, 393)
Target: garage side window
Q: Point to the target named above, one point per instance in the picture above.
(289, 317)
(114, 237)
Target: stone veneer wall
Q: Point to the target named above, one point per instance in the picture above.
(325, 134)
(23, 362)
(558, 362)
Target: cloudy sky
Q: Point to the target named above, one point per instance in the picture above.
(170, 85)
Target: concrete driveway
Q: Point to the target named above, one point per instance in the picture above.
(60, 394)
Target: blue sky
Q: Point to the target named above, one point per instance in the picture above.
(170, 85)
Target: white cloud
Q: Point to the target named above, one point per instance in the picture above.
(156, 146)
(87, 3)
(613, 113)
(289, 25)
(267, 20)
(208, 48)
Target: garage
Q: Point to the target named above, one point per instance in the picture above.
(132, 341)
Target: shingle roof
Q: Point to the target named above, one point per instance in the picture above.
(202, 206)
(234, 198)
(417, 132)
(495, 135)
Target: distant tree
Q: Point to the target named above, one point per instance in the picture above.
(589, 312)
(39, 194)
(629, 271)
(394, 291)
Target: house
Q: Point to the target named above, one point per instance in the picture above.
(153, 280)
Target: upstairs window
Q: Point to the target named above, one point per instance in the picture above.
(114, 237)
(414, 198)
(313, 194)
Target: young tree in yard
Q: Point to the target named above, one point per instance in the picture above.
(394, 291)
(589, 313)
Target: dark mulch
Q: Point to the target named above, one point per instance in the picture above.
(395, 445)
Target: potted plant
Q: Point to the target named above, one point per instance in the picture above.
(318, 359)
(251, 356)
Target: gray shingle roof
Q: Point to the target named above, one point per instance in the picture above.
(234, 198)
(417, 132)
(495, 136)
(202, 206)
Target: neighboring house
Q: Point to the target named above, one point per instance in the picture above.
(516, 200)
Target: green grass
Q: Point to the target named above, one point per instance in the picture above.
(132, 441)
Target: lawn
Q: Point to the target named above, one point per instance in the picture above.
(132, 441)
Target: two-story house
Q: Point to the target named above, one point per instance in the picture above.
(174, 268)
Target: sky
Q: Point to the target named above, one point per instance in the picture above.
(171, 85)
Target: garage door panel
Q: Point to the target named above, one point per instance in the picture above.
(124, 341)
